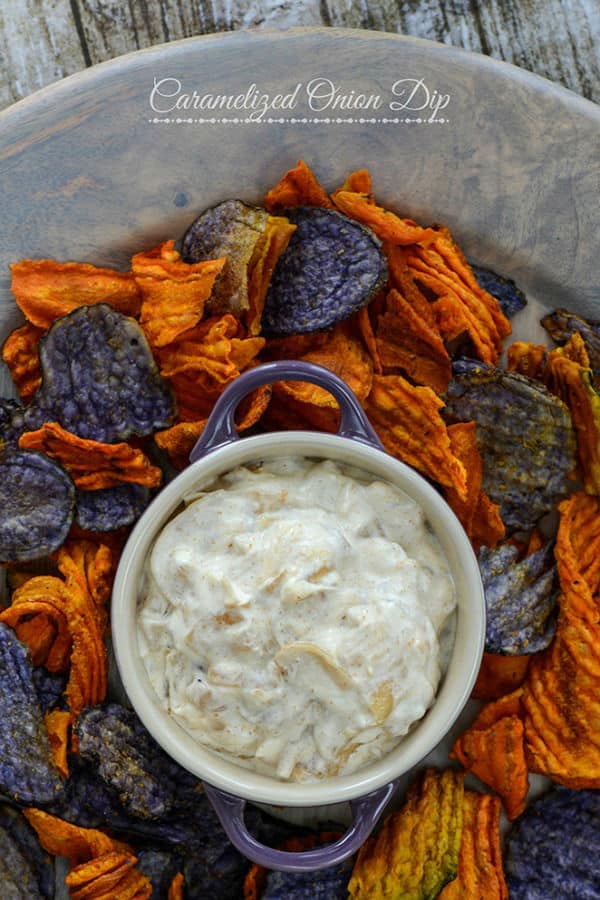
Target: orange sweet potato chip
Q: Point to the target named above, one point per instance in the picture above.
(405, 340)
(455, 263)
(61, 838)
(416, 851)
(99, 875)
(455, 318)
(92, 465)
(386, 224)
(37, 633)
(493, 749)
(526, 358)
(204, 360)
(337, 350)
(37, 615)
(285, 413)
(358, 182)
(57, 722)
(364, 328)
(86, 621)
(179, 440)
(477, 514)
(577, 554)
(299, 404)
(20, 353)
(298, 187)
(176, 888)
(462, 307)
(576, 350)
(499, 675)
(45, 289)
(75, 609)
(562, 690)
(108, 877)
(94, 564)
(173, 292)
(409, 424)
(480, 872)
(402, 279)
(573, 382)
(271, 244)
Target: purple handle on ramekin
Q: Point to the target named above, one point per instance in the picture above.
(220, 427)
(219, 431)
(366, 811)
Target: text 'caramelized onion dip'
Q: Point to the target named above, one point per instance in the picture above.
(294, 617)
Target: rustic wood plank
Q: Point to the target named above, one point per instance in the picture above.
(559, 40)
(38, 44)
(43, 40)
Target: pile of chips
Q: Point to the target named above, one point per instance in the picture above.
(117, 373)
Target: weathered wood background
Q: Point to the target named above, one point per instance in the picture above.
(44, 40)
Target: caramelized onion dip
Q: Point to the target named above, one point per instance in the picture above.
(293, 617)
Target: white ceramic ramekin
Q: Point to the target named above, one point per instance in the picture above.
(227, 785)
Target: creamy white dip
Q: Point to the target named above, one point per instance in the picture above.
(291, 615)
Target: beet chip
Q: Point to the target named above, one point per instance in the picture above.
(25, 870)
(525, 436)
(520, 599)
(99, 379)
(332, 266)
(27, 772)
(37, 498)
(553, 851)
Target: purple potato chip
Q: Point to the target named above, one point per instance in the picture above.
(520, 599)
(149, 783)
(25, 868)
(561, 324)
(509, 296)
(160, 866)
(553, 849)
(49, 686)
(231, 229)
(37, 500)
(110, 508)
(524, 434)
(27, 771)
(214, 868)
(326, 884)
(99, 379)
(331, 268)
(8, 408)
(91, 803)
